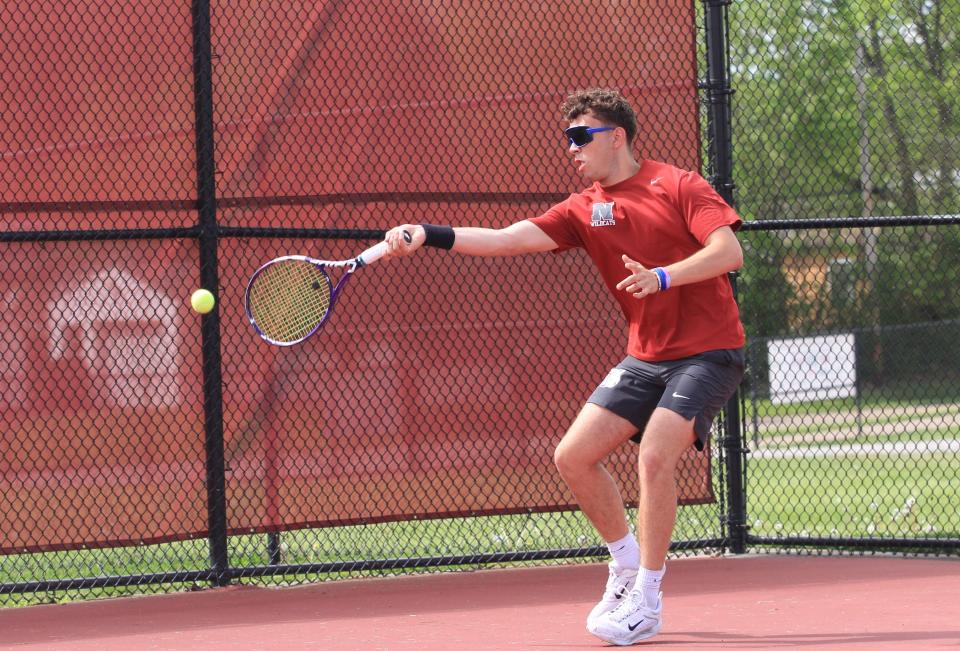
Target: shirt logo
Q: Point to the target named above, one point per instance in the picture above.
(656, 180)
(602, 215)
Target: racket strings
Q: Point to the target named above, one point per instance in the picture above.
(289, 299)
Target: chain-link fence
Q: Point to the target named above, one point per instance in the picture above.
(846, 110)
(156, 148)
(851, 412)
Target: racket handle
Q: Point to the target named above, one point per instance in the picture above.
(377, 251)
(372, 254)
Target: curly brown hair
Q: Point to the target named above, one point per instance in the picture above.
(605, 104)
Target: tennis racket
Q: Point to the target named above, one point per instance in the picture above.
(291, 298)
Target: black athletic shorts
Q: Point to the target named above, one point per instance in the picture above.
(695, 387)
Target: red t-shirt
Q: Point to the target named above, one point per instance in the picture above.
(657, 217)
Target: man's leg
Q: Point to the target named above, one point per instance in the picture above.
(666, 438)
(579, 457)
(594, 434)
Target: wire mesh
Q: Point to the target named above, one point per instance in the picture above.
(851, 399)
(417, 432)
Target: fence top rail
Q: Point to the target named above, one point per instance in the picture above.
(850, 222)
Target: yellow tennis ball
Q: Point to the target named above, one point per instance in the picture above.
(202, 301)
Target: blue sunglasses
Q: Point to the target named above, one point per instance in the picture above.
(581, 136)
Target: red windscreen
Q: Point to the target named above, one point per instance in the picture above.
(441, 384)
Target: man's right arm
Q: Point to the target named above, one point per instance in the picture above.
(520, 237)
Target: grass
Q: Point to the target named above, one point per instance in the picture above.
(902, 392)
(901, 496)
(826, 421)
(412, 539)
(868, 429)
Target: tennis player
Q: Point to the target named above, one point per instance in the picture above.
(663, 241)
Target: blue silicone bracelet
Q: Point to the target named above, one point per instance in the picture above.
(663, 278)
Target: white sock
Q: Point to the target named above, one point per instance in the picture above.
(649, 583)
(625, 552)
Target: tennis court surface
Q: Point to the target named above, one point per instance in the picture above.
(750, 602)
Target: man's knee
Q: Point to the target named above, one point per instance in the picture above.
(568, 460)
(667, 437)
(654, 463)
(591, 438)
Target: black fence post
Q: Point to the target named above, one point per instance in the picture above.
(210, 323)
(274, 548)
(717, 87)
(735, 466)
(720, 153)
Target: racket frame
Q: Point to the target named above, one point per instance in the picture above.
(368, 256)
(349, 265)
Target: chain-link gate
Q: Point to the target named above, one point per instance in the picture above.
(152, 149)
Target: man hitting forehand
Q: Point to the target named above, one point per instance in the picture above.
(663, 241)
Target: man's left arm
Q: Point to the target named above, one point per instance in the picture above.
(720, 254)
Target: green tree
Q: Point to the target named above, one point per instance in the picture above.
(843, 109)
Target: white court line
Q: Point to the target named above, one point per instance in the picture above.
(902, 448)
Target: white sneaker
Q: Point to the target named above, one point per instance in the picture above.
(632, 621)
(619, 585)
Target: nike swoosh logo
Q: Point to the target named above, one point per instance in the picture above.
(656, 180)
(677, 395)
(633, 626)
